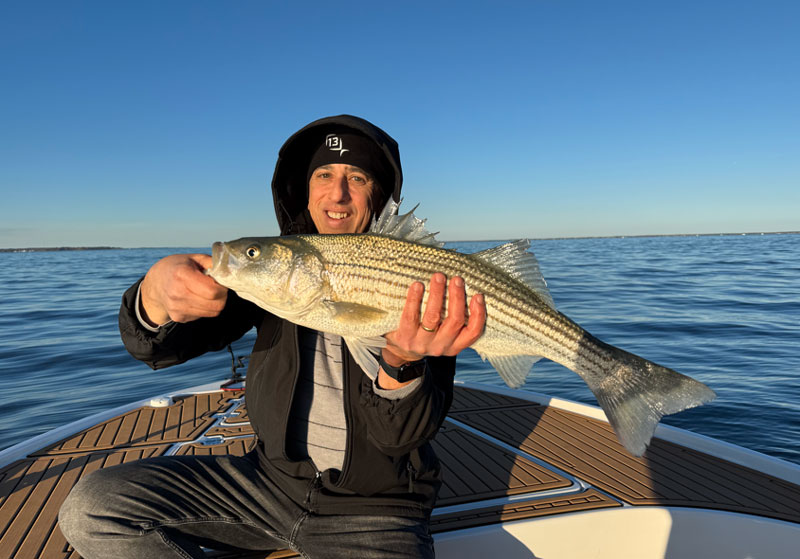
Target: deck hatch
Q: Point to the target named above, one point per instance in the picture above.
(475, 469)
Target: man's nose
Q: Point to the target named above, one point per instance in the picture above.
(341, 189)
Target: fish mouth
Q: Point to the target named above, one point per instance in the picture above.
(223, 262)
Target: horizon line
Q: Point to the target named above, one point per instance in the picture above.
(743, 234)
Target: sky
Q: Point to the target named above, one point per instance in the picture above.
(138, 124)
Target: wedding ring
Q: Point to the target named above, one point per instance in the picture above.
(426, 328)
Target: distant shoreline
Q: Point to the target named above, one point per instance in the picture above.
(55, 249)
(747, 234)
(751, 233)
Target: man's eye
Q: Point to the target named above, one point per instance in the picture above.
(358, 178)
(323, 175)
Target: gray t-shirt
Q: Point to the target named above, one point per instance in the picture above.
(317, 426)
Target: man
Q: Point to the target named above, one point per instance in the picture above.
(343, 466)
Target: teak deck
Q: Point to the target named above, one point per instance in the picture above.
(494, 450)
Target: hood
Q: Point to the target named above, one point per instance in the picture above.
(289, 183)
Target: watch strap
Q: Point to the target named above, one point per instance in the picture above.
(405, 372)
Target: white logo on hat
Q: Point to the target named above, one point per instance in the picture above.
(334, 143)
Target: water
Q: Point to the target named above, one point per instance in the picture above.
(723, 309)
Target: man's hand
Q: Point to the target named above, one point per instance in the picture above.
(417, 337)
(176, 288)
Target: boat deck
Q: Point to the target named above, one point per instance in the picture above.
(504, 458)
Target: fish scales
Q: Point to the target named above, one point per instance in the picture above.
(356, 286)
(386, 267)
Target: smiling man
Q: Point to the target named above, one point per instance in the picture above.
(340, 198)
(342, 183)
(343, 466)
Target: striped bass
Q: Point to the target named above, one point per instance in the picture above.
(355, 285)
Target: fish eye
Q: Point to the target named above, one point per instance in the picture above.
(252, 251)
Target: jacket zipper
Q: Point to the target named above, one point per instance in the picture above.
(290, 401)
(412, 476)
(313, 487)
(348, 448)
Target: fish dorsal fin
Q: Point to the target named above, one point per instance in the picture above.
(514, 259)
(407, 227)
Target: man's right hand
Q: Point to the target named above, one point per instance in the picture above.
(176, 288)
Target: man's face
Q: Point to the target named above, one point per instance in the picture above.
(340, 198)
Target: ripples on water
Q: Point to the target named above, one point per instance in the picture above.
(723, 309)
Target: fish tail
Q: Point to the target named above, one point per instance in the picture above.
(635, 393)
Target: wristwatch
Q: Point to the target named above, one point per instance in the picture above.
(403, 373)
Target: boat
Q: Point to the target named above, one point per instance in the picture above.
(525, 476)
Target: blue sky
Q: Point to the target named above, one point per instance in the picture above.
(158, 123)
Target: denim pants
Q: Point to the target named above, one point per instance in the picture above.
(177, 506)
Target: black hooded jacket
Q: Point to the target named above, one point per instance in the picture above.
(290, 181)
(389, 465)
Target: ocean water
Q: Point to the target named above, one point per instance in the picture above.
(722, 309)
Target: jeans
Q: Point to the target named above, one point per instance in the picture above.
(175, 506)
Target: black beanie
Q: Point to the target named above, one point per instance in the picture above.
(350, 149)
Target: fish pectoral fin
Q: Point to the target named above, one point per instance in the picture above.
(513, 369)
(353, 313)
(364, 350)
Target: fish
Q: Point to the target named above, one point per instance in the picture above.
(355, 286)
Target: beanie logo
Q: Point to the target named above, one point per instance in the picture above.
(334, 143)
